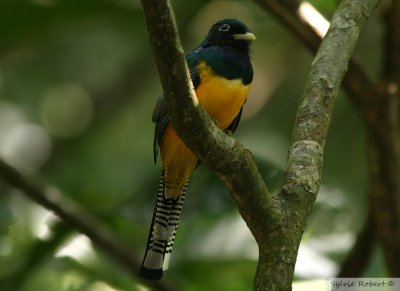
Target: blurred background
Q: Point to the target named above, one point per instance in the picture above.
(77, 88)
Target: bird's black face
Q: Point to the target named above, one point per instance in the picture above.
(230, 32)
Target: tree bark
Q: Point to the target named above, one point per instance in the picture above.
(303, 174)
(379, 107)
(277, 222)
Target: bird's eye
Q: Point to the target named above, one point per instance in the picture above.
(224, 27)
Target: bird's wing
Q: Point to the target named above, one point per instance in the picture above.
(235, 123)
(161, 119)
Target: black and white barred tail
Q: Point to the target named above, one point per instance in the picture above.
(162, 233)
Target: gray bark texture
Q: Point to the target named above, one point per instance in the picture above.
(276, 221)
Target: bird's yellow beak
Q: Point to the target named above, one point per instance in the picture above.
(248, 36)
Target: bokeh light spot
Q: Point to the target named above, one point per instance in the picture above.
(25, 146)
(67, 110)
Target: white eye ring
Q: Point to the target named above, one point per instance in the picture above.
(224, 27)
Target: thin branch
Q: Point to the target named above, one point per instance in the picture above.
(79, 220)
(384, 147)
(287, 13)
(38, 252)
(361, 90)
(392, 42)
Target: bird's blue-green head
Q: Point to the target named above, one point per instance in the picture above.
(229, 32)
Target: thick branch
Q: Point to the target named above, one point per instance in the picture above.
(303, 174)
(380, 108)
(78, 219)
(277, 227)
(313, 116)
(219, 151)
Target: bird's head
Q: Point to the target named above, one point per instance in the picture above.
(229, 32)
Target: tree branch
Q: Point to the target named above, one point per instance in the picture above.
(219, 151)
(303, 174)
(79, 220)
(277, 222)
(38, 251)
(379, 106)
(392, 42)
(361, 90)
(287, 13)
(384, 147)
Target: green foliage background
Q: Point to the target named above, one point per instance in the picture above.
(77, 88)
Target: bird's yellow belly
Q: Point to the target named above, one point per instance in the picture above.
(222, 99)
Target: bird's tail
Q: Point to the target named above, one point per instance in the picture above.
(162, 233)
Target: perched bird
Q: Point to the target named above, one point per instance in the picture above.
(221, 73)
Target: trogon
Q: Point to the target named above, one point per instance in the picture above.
(221, 73)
